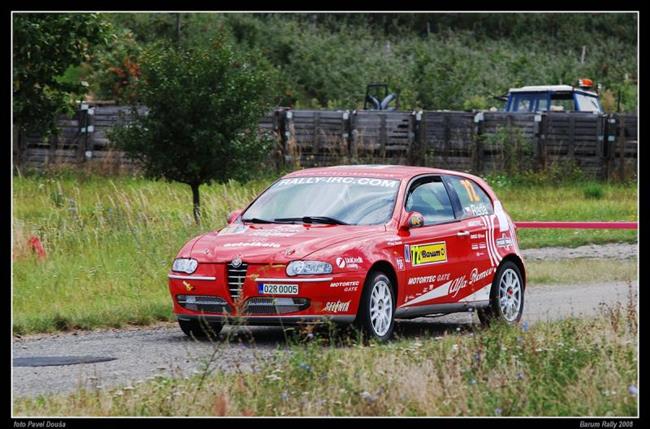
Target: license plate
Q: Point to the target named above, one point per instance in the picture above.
(277, 289)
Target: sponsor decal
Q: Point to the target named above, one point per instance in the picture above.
(504, 241)
(475, 223)
(336, 306)
(477, 236)
(188, 287)
(400, 263)
(272, 233)
(475, 276)
(349, 286)
(428, 279)
(430, 253)
(477, 209)
(394, 242)
(351, 262)
(451, 287)
(456, 285)
(407, 253)
(369, 181)
(252, 244)
(289, 252)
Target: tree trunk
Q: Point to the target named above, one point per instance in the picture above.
(196, 203)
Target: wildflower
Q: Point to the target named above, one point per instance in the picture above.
(472, 381)
(454, 347)
(633, 390)
(310, 336)
(520, 376)
(524, 326)
(498, 411)
(284, 396)
(477, 356)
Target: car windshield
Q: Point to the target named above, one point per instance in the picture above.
(587, 103)
(333, 199)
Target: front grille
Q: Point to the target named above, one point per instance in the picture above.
(264, 305)
(236, 277)
(207, 304)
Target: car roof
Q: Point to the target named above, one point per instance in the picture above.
(552, 88)
(380, 171)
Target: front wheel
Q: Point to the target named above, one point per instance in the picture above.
(506, 296)
(377, 307)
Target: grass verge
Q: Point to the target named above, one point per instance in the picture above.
(110, 241)
(566, 368)
(572, 271)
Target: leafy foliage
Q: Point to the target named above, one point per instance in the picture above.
(45, 46)
(203, 108)
(437, 61)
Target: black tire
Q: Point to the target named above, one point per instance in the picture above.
(375, 280)
(200, 329)
(494, 312)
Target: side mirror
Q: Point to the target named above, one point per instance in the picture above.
(233, 216)
(413, 220)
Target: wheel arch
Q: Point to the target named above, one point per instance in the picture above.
(388, 269)
(512, 257)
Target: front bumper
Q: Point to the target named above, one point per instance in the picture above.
(320, 298)
(268, 320)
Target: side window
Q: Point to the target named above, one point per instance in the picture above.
(473, 200)
(523, 103)
(429, 197)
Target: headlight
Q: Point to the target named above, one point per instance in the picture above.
(296, 268)
(185, 265)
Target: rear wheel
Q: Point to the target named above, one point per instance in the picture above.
(200, 329)
(377, 308)
(506, 296)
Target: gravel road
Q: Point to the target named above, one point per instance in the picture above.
(144, 353)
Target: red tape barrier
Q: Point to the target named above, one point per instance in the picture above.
(578, 225)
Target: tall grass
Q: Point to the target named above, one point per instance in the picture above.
(567, 368)
(110, 241)
(109, 244)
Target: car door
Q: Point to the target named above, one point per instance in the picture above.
(478, 220)
(435, 252)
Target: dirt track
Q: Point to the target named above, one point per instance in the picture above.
(146, 352)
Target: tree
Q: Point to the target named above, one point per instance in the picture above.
(44, 47)
(202, 111)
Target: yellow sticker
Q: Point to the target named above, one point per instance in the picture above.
(431, 253)
(188, 286)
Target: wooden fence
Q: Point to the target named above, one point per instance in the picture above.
(601, 146)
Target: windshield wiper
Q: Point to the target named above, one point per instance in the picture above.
(312, 219)
(257, 220)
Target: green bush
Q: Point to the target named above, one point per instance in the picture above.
(593, 192)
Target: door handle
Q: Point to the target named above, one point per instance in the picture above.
(462, 233)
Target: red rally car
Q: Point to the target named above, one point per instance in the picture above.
(363, 244)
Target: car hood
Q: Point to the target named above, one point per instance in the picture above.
(274, 243)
